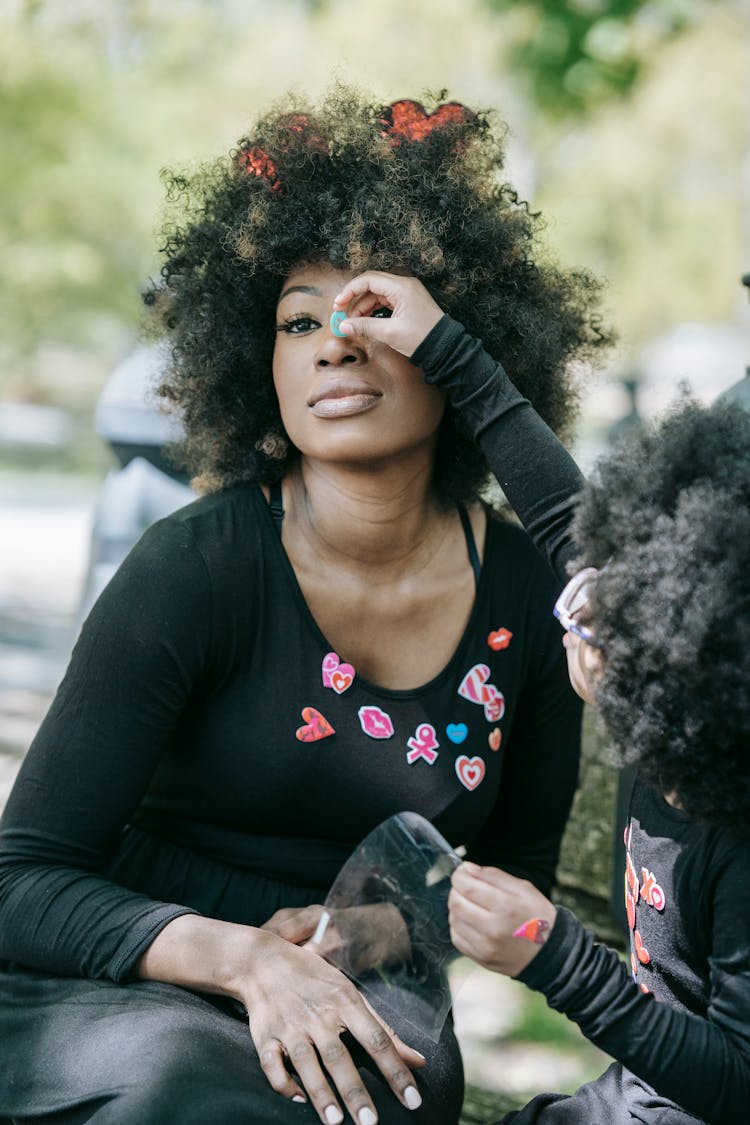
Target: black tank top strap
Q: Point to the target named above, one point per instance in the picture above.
(471, 545)
(276, 504)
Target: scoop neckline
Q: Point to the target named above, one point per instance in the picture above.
(319, 636)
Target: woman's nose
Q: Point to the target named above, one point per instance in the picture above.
(340, 351)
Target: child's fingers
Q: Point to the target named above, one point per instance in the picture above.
(380, 285)
(364, 305)
(475, 887)
(371, 328)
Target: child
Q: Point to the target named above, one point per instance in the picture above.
(657, 624)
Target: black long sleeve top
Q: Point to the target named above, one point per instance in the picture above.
(197, 757)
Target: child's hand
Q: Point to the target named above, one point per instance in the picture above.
(389, 308)
(487, 907)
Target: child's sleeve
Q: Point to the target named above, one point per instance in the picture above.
(534, 469)
(701, 1063)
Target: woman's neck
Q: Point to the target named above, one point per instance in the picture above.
(384, 516)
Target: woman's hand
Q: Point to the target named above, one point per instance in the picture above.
(413, 312)
(494, 916)
(298, 1007)
(354, 938)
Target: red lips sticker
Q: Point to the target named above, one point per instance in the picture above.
(499, 639)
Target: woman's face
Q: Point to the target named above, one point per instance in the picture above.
(341, 398)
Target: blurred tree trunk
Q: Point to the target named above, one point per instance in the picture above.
(586, 870)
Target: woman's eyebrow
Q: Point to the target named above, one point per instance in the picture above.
(311, 290)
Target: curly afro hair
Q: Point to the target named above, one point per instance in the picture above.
(361, 187)
(669, 515)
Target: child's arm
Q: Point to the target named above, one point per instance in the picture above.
(535, 471)
(702, 1063)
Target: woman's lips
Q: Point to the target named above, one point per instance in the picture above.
(342, 399)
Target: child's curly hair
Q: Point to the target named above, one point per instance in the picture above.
(362, 187)
(669, 515)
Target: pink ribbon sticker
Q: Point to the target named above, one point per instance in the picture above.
(423, 744)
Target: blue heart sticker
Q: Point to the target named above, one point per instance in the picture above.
(457, 732)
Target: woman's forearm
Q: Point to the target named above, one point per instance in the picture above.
(204, 954)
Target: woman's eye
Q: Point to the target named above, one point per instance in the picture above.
(298, 325)
(383, 312)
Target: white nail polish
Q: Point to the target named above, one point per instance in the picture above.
(299, 1098)
(366, 1116)
(334, 1116)
(412, 1097)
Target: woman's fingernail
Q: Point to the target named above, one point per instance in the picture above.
(412, 1097)
(366, 1116)
(422, 1057)
(299, 1098)
(334, 1116)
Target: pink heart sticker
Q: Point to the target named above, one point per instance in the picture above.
(494, 738)
(470, 771)
(317, 726)
(342, 678)
(472, 685)
(330, 667)
(494, 704)
(330, 664)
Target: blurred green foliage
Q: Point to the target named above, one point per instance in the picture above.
(572, 54)
(95, 99)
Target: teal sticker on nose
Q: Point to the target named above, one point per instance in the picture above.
(336, 319)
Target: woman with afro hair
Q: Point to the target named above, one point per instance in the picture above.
(657, 620)
(338, 630)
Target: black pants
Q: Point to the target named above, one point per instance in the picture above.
(617, 1097)
(147, 1053)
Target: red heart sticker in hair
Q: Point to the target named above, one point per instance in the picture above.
(470, 771)
(317, 726)
(255, 160)
(409, 120)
